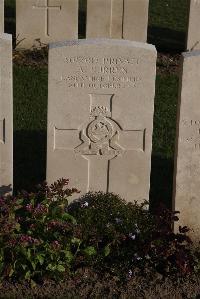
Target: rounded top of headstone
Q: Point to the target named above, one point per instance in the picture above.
(6, 36)
(102, 41)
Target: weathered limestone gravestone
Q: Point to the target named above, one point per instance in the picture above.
(187, 162)
(1, 16)
(100, 115)
(127, 19)
(45, 21)
(193, 34)
(6, 118)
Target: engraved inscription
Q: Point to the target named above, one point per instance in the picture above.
(192, 137)
(46, 7)
(101, 73)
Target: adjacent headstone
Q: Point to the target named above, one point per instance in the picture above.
(100, 115)
(1, 16)
(6, 112)
(187, 161)
(39, 22)
(127, 19)
(193, 34)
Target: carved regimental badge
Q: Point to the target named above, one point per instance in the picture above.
(100, 136)
(99, 140)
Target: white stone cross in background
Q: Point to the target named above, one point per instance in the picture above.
(46, 7)
(39, 22)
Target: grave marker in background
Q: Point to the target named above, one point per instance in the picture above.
(127, 19)
(6, 114)
(187, 161)
(45, 21)
(100, 115)
(1, 16)
(193, 34)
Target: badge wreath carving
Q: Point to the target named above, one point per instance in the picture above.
(101, 135)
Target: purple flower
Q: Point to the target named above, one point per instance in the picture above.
(40, 210)
(55, 245)
(29, 207)
(27, 240)
(12, 242)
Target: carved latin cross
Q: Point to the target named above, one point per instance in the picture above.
(46, 7)
(102, 139)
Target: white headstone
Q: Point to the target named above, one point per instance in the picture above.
(100, 115)
(44, 21)
(187, 158)
(193, 34)
(127, 19)
(1, 16)
(6, 114)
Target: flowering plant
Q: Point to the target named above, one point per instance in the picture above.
(43, 237)
(38, 237)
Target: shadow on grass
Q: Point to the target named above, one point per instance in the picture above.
(82, 19)
(161, 182)
(10, 11)
(167, 40)
(29, 159)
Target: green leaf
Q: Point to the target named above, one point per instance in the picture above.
(67, 216)
(68, 255)
(19, 201)
(90, 250)
(24, 266)
(40, 258)
(27, 275)
(29, 253)
(106, 250)
(33, 265)
(76, 241)
(55, 211)
(1, 267)
(33, 284)
(51, 267)
(56, 235)
(61, 268)
(11, 272)
(17, 226)
(18, 207)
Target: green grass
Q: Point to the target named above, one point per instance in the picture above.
(168, 24)
(164, 139)
(30, 122)
(171, 14)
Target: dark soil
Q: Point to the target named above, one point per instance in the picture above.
(88, 284)
(168, 63)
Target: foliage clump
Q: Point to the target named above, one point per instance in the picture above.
(43, 237)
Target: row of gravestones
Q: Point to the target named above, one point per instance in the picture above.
(100, 120)
(56, 20)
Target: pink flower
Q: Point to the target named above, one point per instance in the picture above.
(55, 245)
